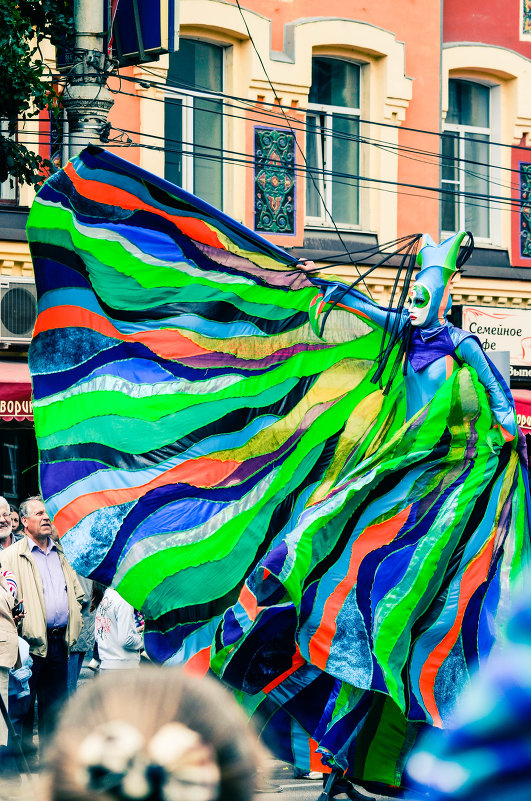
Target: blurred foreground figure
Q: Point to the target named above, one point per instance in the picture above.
(153, 734)
(487, 755)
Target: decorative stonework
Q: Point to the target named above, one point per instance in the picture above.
(525, 209)
(526, 18)
(274, 180)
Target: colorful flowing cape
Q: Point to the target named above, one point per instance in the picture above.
(244, 484)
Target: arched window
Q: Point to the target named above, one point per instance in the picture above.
(332, 142)
(466, 158)
(193, 120)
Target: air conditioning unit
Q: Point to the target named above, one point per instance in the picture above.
(18, 309)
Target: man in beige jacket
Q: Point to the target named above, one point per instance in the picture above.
(52, 599)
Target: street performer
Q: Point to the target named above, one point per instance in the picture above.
(321, 501)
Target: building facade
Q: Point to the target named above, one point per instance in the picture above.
(332, 127)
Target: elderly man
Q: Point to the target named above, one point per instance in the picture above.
(52, 603)
(6, 524)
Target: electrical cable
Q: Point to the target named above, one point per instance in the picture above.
(327, 211)
(334, 176)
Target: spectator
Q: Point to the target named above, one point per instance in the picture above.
(6, 526)
(8, 645)
(19, 696)
(85, 642)
(118, 637)
(52, 622)
(154, 734)
(16, 532)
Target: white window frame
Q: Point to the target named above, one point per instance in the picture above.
(187, 96)
(326, 188)
(493, 169)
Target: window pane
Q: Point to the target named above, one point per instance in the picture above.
(314, 161)
(477, 181)
(197, 65)
(173, 137)
(468, 103)
(450, 152)
(345, 159)
(208, 144)
(449, 209)
(335, 83)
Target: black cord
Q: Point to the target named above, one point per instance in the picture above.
(329, 213)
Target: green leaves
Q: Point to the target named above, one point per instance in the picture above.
(25, 88)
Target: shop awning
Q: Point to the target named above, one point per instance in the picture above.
(15, 392)
(522, 401)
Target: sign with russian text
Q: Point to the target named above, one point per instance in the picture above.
(503, 330)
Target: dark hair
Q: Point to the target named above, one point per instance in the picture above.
(142, 716)
(13, 508)
(98, 590)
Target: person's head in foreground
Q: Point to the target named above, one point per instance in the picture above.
(153, 734)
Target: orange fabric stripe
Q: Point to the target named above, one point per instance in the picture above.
(190, 226)
(166, 342)
(203, 472)
(351, 309)
(373, 537)
(449, 365)
(297, 662)
(248, 601)
(505, 434)
(473, 576)
(199, 663)
(315, 758)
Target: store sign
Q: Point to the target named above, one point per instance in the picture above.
(503, 330)
(15, 392)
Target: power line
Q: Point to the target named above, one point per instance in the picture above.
(247, 101)
(327, 211)
(223, 155)
(362, 139)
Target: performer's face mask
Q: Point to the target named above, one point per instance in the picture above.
(419, 301)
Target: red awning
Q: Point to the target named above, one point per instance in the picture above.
(522, 401)
(15, 392)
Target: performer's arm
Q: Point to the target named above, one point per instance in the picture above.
(353, 301)
(471, 352)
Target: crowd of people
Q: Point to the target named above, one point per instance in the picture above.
(50, 619)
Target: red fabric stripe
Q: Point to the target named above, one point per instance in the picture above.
(373, 537)
(190, 226)
(297, 662)
(166, 342)
(474, 575)
(202, 472)
(199, 663)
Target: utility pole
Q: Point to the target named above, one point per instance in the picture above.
(86, 98)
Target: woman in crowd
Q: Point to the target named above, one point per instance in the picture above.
(153, 734)
(16, 531)
(118, 635)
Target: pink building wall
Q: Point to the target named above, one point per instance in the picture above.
(418, 25)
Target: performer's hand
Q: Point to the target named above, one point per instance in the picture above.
(308, 265)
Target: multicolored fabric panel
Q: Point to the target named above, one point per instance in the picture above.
(487, 753)
(398, 583)
(242, 481)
